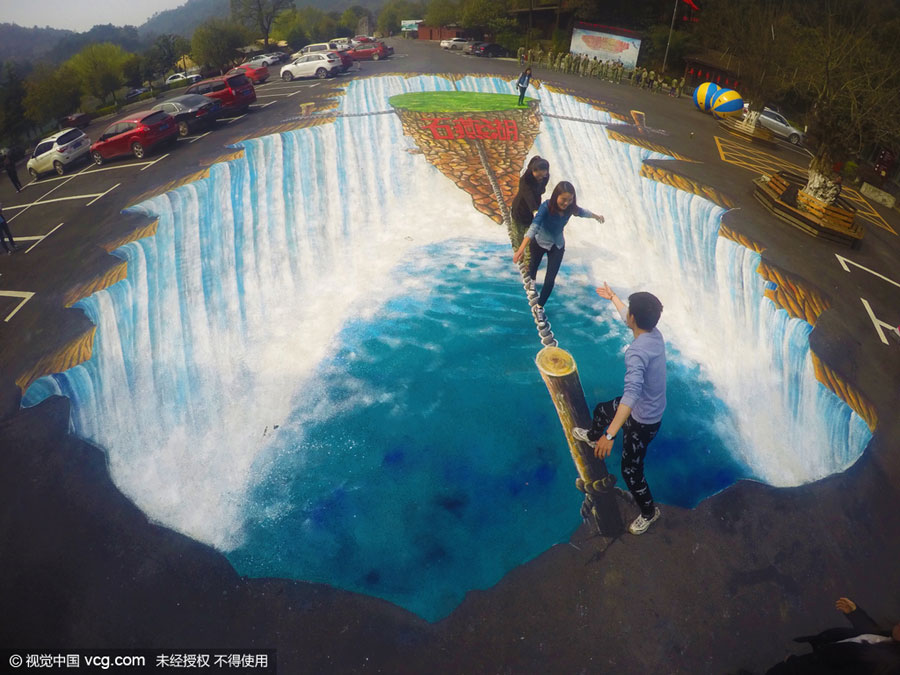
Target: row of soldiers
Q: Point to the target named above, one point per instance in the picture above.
(648, 79)
(575, 64)
(587, 66)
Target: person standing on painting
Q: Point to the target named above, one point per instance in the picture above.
(6, 234)
(522, 84)
(532, 184)
(639, 410)
(545, 236)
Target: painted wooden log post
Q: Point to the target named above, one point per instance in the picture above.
(560, 374)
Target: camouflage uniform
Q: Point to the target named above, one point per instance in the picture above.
(520, 54)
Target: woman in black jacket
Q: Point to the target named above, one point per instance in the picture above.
(532, 184)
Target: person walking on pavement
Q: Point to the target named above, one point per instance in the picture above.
(545, 236)
(6, 234)
(10, 167)
(639, 410)
(522, 84)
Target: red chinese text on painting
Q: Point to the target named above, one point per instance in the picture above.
(445, 129)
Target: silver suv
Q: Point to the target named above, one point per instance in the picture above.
(57, 152)
(776, 123)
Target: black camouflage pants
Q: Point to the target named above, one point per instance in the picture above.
(635, 439)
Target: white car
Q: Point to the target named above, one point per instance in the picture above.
(312, 65)
(57, 152)
(183, 77)
(455, 43)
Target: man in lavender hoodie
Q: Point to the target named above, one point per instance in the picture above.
(639, 410)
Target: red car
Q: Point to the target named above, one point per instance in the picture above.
(136, 134)
(346, 59)
(257, 75)
(235, 92)
(368, 50)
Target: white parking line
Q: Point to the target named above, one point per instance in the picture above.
(50, 201)
(25, 207)
(40, 239)
(235, 119)
(197, 138)
(112, 188)
(260, 107)
(269, 95)
(25, 295)
(158, 159)
(91, 168)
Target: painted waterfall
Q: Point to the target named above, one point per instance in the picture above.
(322, 363)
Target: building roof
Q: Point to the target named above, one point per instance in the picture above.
(719, 60)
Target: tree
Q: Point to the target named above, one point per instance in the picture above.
(847, 73)
(352, 16)
(259, 14)
(288, 27)
(837, 61)
(99, 69)
(318, 25)
(394, 11)
(51, 93)
(12, 113)
(486, 15)
(441, 13)
(217, 43)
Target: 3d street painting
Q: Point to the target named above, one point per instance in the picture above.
(321, 360)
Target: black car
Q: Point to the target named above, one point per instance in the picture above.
(191, 111)
(472, 46)
(491, 49)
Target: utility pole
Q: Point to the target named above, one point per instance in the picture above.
(671, 28)
(530, 23)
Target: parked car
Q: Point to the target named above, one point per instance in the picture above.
(319, 65)
(134, 93)
(368, 50)
(78, 119)
(362, 38)
(261, 61)
(235, 92)
(182, 78)
(58, 152)
(321, 47)
(470, 46)
(778, 125)
(136, 134)
(274, 57)
(191, 112)
(489, 49)
(455, 43)
(257, 75)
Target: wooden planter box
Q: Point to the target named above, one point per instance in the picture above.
(781, 194)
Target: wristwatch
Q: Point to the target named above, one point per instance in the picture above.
(608, 437)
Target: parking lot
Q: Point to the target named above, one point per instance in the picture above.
(52, 207)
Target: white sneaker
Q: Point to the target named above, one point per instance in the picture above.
(641, 524)
(581, 435)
